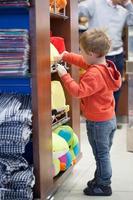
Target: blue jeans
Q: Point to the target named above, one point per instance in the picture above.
(119, 62)
(100, 135)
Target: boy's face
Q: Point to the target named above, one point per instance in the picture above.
(90, 58)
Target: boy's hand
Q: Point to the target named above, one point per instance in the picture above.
(124, 2)
(61, 70)
(59, 58)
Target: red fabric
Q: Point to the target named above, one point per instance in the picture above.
(59, 43)
(95, 88)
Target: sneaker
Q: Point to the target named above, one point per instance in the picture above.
(91, 182)
(98, 190)
(119, 126)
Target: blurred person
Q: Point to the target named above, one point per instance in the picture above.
(111, 15)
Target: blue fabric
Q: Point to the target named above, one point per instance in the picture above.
(65, 134)
(16, 178)
(119, 62)
(100, 135)
(12, 147)
(28, 154)
(7, 194)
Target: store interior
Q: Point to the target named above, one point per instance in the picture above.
(44, 151)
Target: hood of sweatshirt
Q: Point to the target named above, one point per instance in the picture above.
(110, 74)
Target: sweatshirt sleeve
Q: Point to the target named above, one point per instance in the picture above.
(86, 8)
(88, 86)
(75, 59)
(129, 8)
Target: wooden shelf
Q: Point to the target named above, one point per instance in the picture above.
(63, 176)
(61, 122)
(39, 22)
(58, 16)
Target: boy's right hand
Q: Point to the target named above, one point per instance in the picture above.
(61, 70)
(59, 58)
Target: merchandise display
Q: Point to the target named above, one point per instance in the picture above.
(15, 131)
(16, 178)
(14, 51)
(62, 157)
(15, 123)
(57, 5)
(71, 138)
(26, 59)
(14, 3)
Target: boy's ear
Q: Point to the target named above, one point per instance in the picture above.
(90, 53)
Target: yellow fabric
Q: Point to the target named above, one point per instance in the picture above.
(53, 53)
(60, 146)
(58, 97)
(56, 163)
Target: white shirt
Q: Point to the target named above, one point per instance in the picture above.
(120, 50)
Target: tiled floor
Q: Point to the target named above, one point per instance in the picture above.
(122, 163)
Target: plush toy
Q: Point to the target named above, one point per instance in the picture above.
(65, 132)
(75, 148)
(59, 43)
(71, 138)
(60, 4)
(60, 148)
(56, 167)
(65, 161)
(53, 53)
(58, 100)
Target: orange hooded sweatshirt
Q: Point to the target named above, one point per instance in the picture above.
(95, 88)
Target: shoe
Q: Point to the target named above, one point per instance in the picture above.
(91, 182)
(119, 126)
(98, 190)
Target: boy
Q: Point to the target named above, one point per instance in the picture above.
(95, 90)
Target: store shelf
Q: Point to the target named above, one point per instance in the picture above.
(15, 76)
(12, 9)
(58, 16)
(59, 179)
(39, 85)
(61, 122)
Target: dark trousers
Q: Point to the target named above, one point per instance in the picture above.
(100, 135)
(119, 62)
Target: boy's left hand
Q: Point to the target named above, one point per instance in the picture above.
(61, 70)
(60, 56)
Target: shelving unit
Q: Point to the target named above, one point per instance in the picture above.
(39, 21)
(129, 72)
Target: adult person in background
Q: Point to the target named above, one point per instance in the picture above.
(112, 15)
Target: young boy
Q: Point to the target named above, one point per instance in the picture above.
(95, 90)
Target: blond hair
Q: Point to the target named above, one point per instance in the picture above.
(95, 41)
